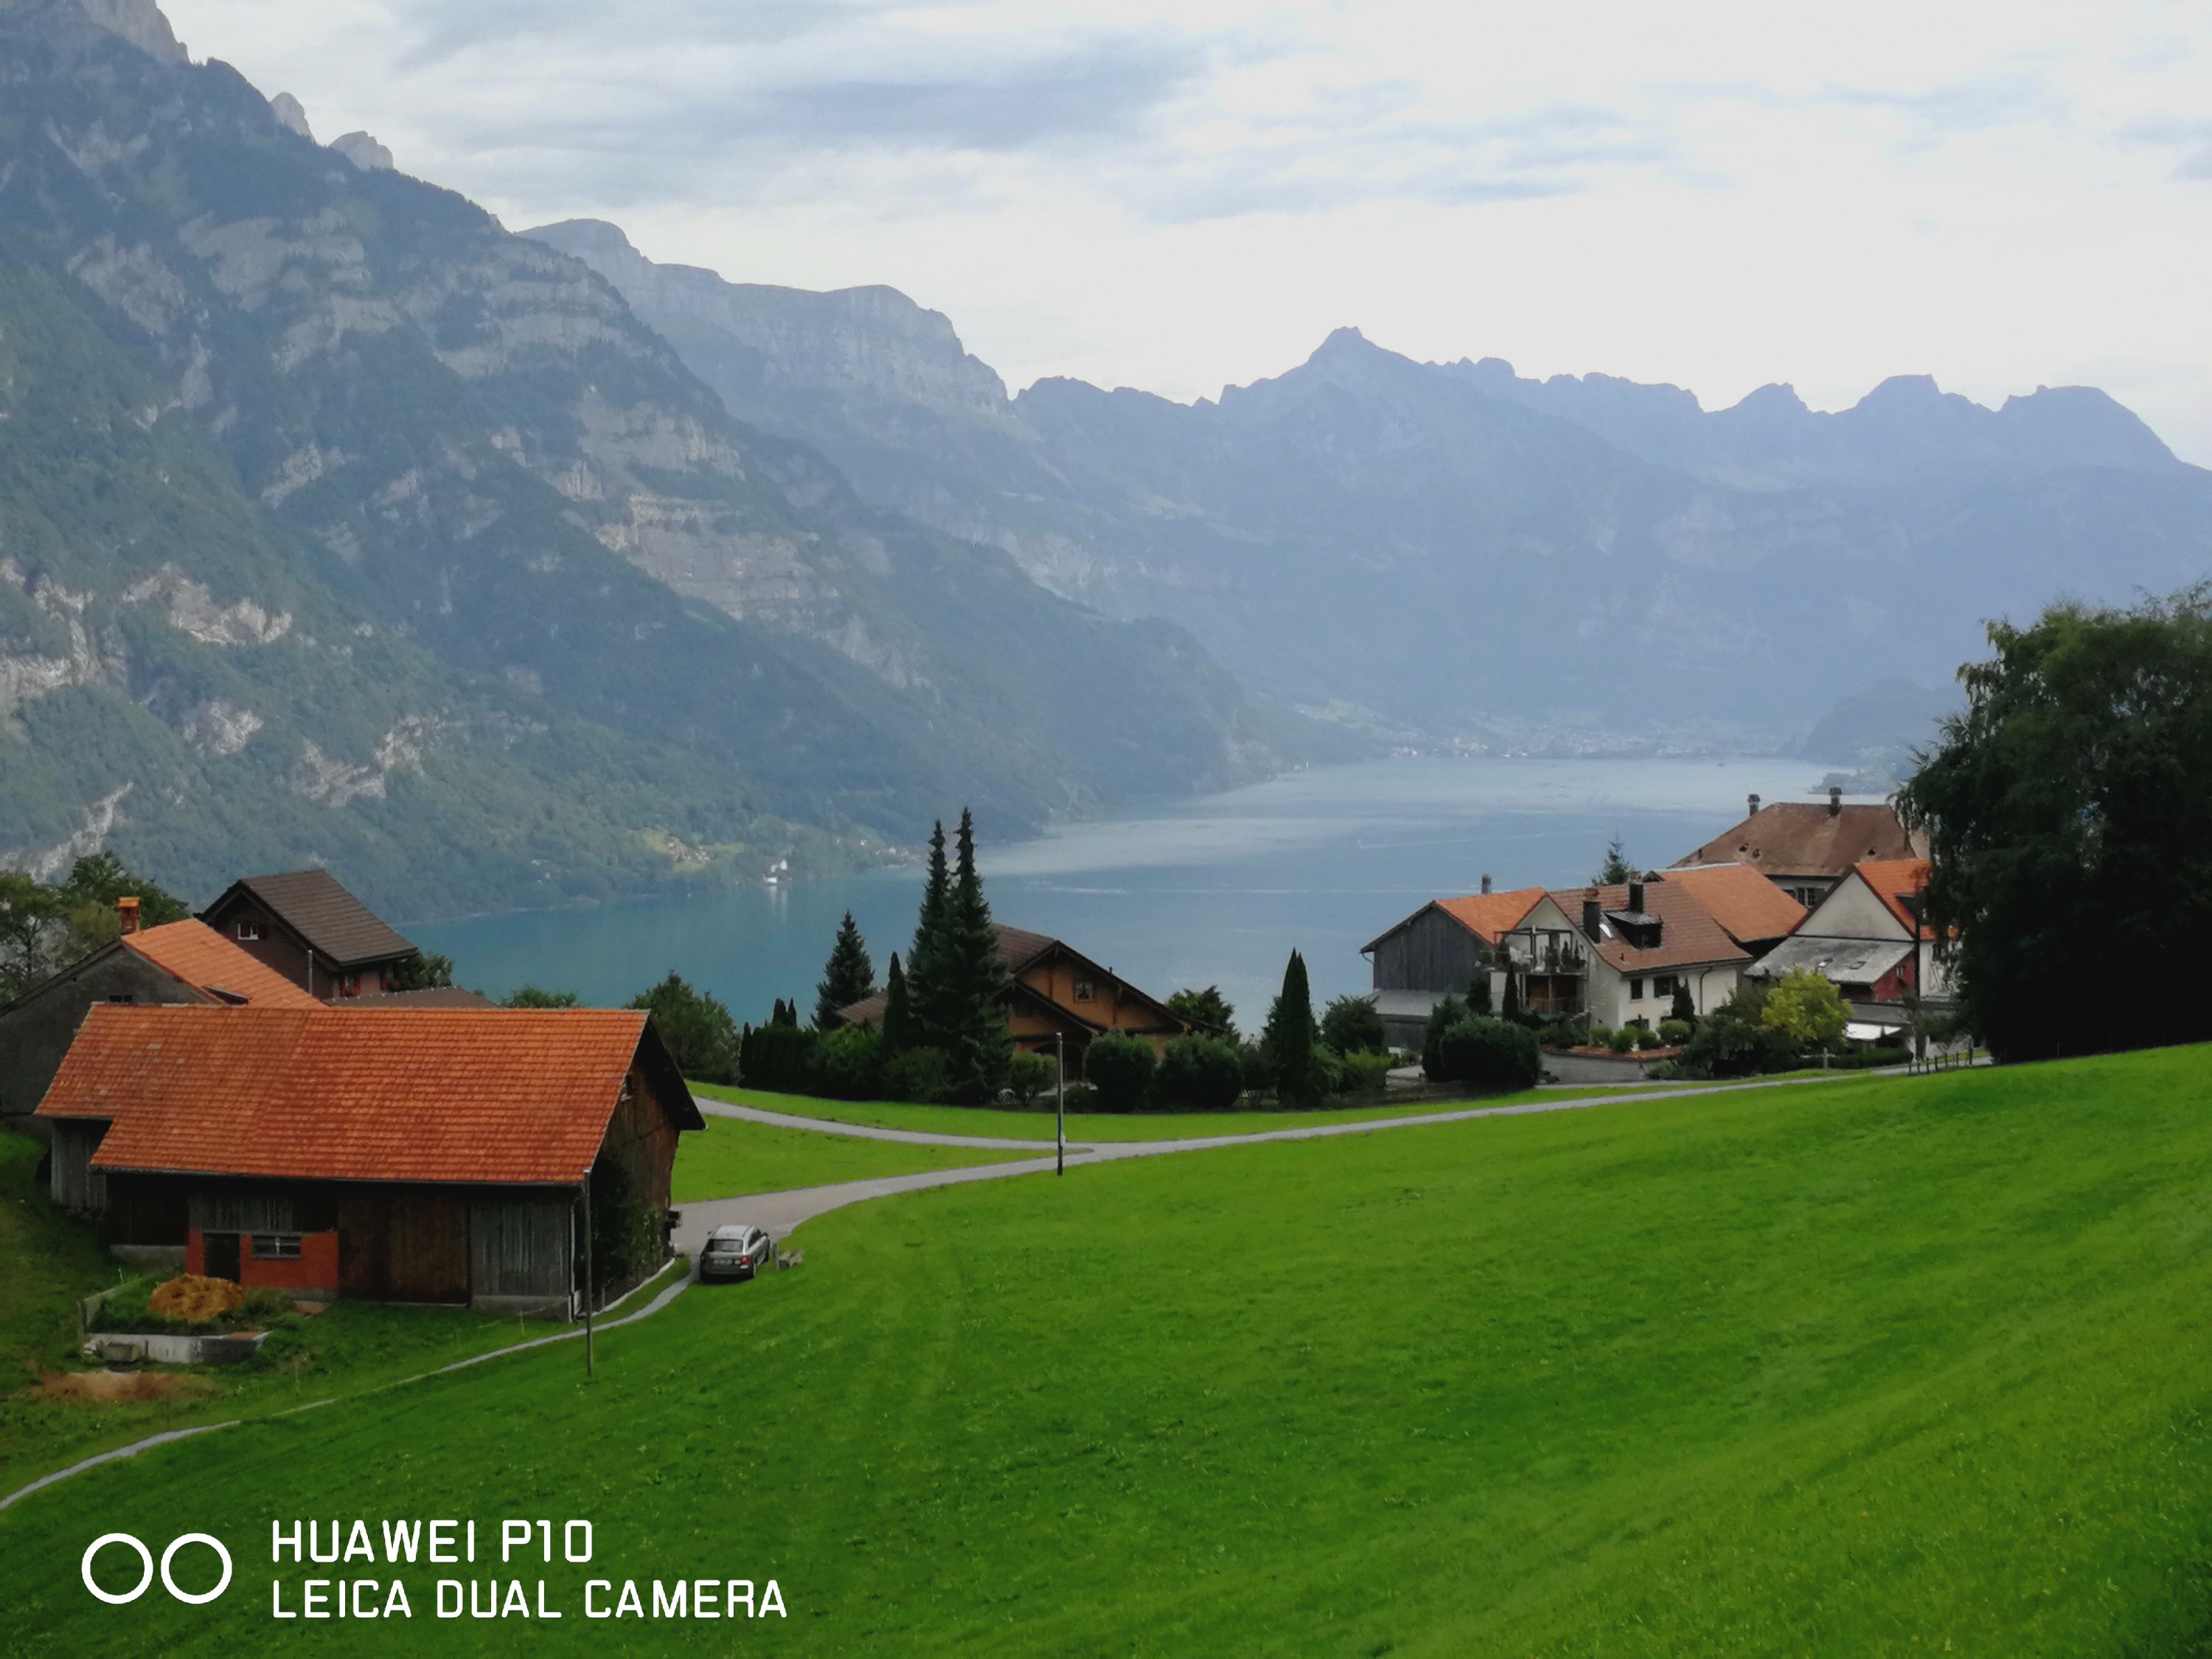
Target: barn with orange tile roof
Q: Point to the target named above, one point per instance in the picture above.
(407, 1154)
(1437, 951)
(179, 962)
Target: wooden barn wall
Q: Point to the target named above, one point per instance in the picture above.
(76, 1185)
(404, 1243)
(1431, 952)
(262, 1206)
(145, 1209)
(641, 1137)
(521, 1243)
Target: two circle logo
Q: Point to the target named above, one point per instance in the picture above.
(146, 1561)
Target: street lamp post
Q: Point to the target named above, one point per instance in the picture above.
(1060, 1101)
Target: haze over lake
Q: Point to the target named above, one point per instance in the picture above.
(1216, 889)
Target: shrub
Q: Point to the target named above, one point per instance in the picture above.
(1202, 1074)
(848, 1062)
(1352, 1025)
(1648, 1038)
(1081, 1097)
(1259, 1069)
(1447, 1012)
(1675, 1032)
(1325, 1074)
(1120, 1068)
(919, 1075)
(1807, 1008)
(1366, 1072)
(1600, 1037)
(1622, 1041)
(1490, 1053)
(1030, 1076)
(1734, 1040)
(779, 1057)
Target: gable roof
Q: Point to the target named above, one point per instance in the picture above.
(1688, 936)
(1893, 881)
(507, 1096)
(1805, 838)
(1484, 915)
(339, 926)
(1749, 908)
(1844, 961)
(1020, 949)
(196, 954)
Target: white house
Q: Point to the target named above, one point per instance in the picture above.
(1866, 936)
(1619, 953)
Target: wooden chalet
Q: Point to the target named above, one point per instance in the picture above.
(410, 1155)
(310, 929)
(183, 964)
(1059, 1000)
(1436, 952)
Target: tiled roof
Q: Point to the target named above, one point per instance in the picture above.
(1893, 881)
(1747, 906)
(1484, 915)
(437, 1095)
(1687, 936)
(343, 930)
(194, 952)
(1804, 838)
(1018, 947)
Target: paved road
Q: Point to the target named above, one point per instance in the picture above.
(865, 1131)
(781, 1213)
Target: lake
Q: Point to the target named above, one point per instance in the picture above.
(1214, 889)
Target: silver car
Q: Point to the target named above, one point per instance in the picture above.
(737, 1251)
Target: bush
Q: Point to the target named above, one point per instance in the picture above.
(1807, 1008)
(1200, 1075)
(1081, 1097)
(1675, 1032)
(1648, 1038)
(779, 1058)
(1366, 1072)
(1120, 1068)
(1447, 1012)
(1622, 1041)
(920, 1076)
(1030, 1076)
(1489, 1054)
(848, 1062)
(1259, 1069)
(1734, 1040)
(701, 1036)
(1352, 1025)
(1600, 1037)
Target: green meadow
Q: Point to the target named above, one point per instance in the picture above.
(1891, 1366)
(1086, 1128)
(733, 1157)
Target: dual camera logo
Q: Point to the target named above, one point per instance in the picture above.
(115, 1598)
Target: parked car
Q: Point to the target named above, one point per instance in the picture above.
(737, 1251)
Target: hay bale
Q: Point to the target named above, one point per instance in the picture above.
(193, 1298)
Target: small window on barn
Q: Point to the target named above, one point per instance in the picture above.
(249, 930)
(124, 998)
(1084, 990)
(275, 1247)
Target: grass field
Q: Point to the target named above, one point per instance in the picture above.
(1089, 1128)
(733, 1157)
(1874, 1367)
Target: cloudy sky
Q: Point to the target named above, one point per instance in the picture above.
(1177, 195)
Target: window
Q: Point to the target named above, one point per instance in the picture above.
(249, 931)
(1636, 990)
(1084, 990)
(124, 998)
(275, 1247)
(1663, 986)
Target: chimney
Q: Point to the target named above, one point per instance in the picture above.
(1636, 894)
(126, 912)
(1486, 881)
(1835, 800)
(1592, 916)
(1754, 807)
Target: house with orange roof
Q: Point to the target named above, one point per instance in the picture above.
(411, 1155)
(1617, 955)
(1806, 849)
(1868, 937)
(1437, 952)
(1751, 909)
(180, 962)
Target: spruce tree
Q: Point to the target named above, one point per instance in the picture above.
(1614, 870)
(928, 964)
(982, 1045)
(1290, 1036)
(847, 976)
(899, 1012)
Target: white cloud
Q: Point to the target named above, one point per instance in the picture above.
(1175, 197)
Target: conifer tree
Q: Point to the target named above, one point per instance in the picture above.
(1289, 1035)
(1615, 869)
(899, 1012)
(928, 965)
(847, 976)
(982, 1044)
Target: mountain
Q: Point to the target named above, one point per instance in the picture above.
(1575, 561)
(338, 524)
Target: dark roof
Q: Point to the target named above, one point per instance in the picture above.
(437, 996)
(337, 925)
(507, 1096)
(1808, 838)
(1019, 948)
